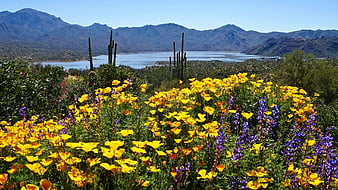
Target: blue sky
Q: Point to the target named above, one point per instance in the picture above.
(259, 15)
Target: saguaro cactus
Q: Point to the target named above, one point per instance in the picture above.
(182, 57)
(115, 48)
(110, 48)
(91, 66)
(179, 61)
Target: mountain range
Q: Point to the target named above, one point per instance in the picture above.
(320, 47)
(29, 28)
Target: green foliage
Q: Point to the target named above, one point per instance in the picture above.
(295, 67)
(32, 86)
(313, 75)
(106, 73)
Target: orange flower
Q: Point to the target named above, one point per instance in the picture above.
(31, 187)
(76, 174)
(220, 167)
(126, 112)
(13, 169)
(115, 82)
(3, 179)
(45, 184)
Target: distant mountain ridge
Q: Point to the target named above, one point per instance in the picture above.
(321, 47)
(29, 27)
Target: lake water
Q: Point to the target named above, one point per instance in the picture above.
(142, 60)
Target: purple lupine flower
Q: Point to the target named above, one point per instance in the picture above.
(220, 140)
(237, 154)
(244, 137)
(273, 119)
(236, 120)
(180, 172)
(329, 166)
(231, 102)
(115, 124)
(238, 184)
(129, 82)
(261, 110)
(64, 131)
(295, 144)
(23, 112)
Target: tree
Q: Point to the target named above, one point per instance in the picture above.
(313, 75)
(295, 67)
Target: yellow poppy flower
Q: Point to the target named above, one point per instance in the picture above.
(114, 144)
(153, 169)
(87, 147)
(155, 144)
(201, 117)
(247, 115)
(83, 98)
(9, 158)
(64, 155)
(209, 110)
(126, 132)
(109, 153)
(73, 160)
(46, 162)
(93, 162)
(161, 153)
(115, 82)
(127, 169)
(138, 150)
(204, 175)
(54, 155)
(108, 166)
(32, 158)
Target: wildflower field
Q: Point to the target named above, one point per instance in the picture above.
(233, 133)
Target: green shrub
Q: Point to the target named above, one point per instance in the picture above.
(29, 89)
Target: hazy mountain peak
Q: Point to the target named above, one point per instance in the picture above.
(230, 27)
(29, 10)
(97, 25)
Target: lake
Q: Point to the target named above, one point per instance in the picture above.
(142, 60)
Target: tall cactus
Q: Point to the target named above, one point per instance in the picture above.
(179, 61)
(110, 48)
(182, 57)
(115, 48)
(90, 56)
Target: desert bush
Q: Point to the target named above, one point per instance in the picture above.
(29, 89)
